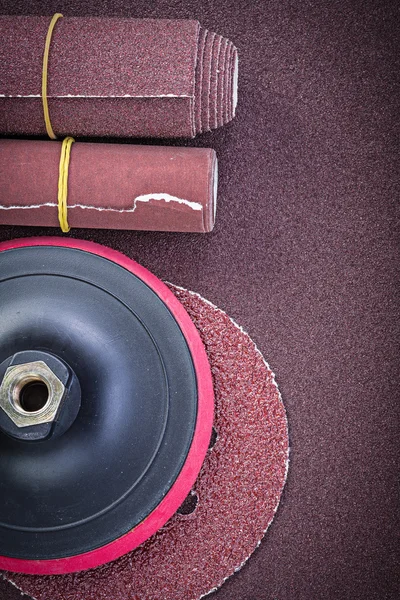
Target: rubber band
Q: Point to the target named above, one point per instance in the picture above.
(46, 114)
(63, 183)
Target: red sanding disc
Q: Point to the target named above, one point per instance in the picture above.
(237, 490)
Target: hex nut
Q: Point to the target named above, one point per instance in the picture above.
(15, 379)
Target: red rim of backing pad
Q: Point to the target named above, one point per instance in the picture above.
(238, 488)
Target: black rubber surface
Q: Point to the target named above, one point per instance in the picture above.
(69, 495)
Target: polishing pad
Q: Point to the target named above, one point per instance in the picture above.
(233, 500)
(106, 405)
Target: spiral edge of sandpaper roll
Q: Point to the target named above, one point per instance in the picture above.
(216, 81)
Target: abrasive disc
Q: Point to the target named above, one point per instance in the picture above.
(235, 495)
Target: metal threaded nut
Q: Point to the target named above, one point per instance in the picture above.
(16, 379)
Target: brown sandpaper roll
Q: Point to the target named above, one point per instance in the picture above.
(116, 77)
(113, 186)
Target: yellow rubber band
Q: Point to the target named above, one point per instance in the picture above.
(63, 184)
(49, 128)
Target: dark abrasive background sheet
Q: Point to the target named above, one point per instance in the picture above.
(305, 256)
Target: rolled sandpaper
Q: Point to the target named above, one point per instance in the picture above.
(110, 186)
(116, 77)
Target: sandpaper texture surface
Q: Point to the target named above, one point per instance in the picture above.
(100, 57)
(305, 256)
